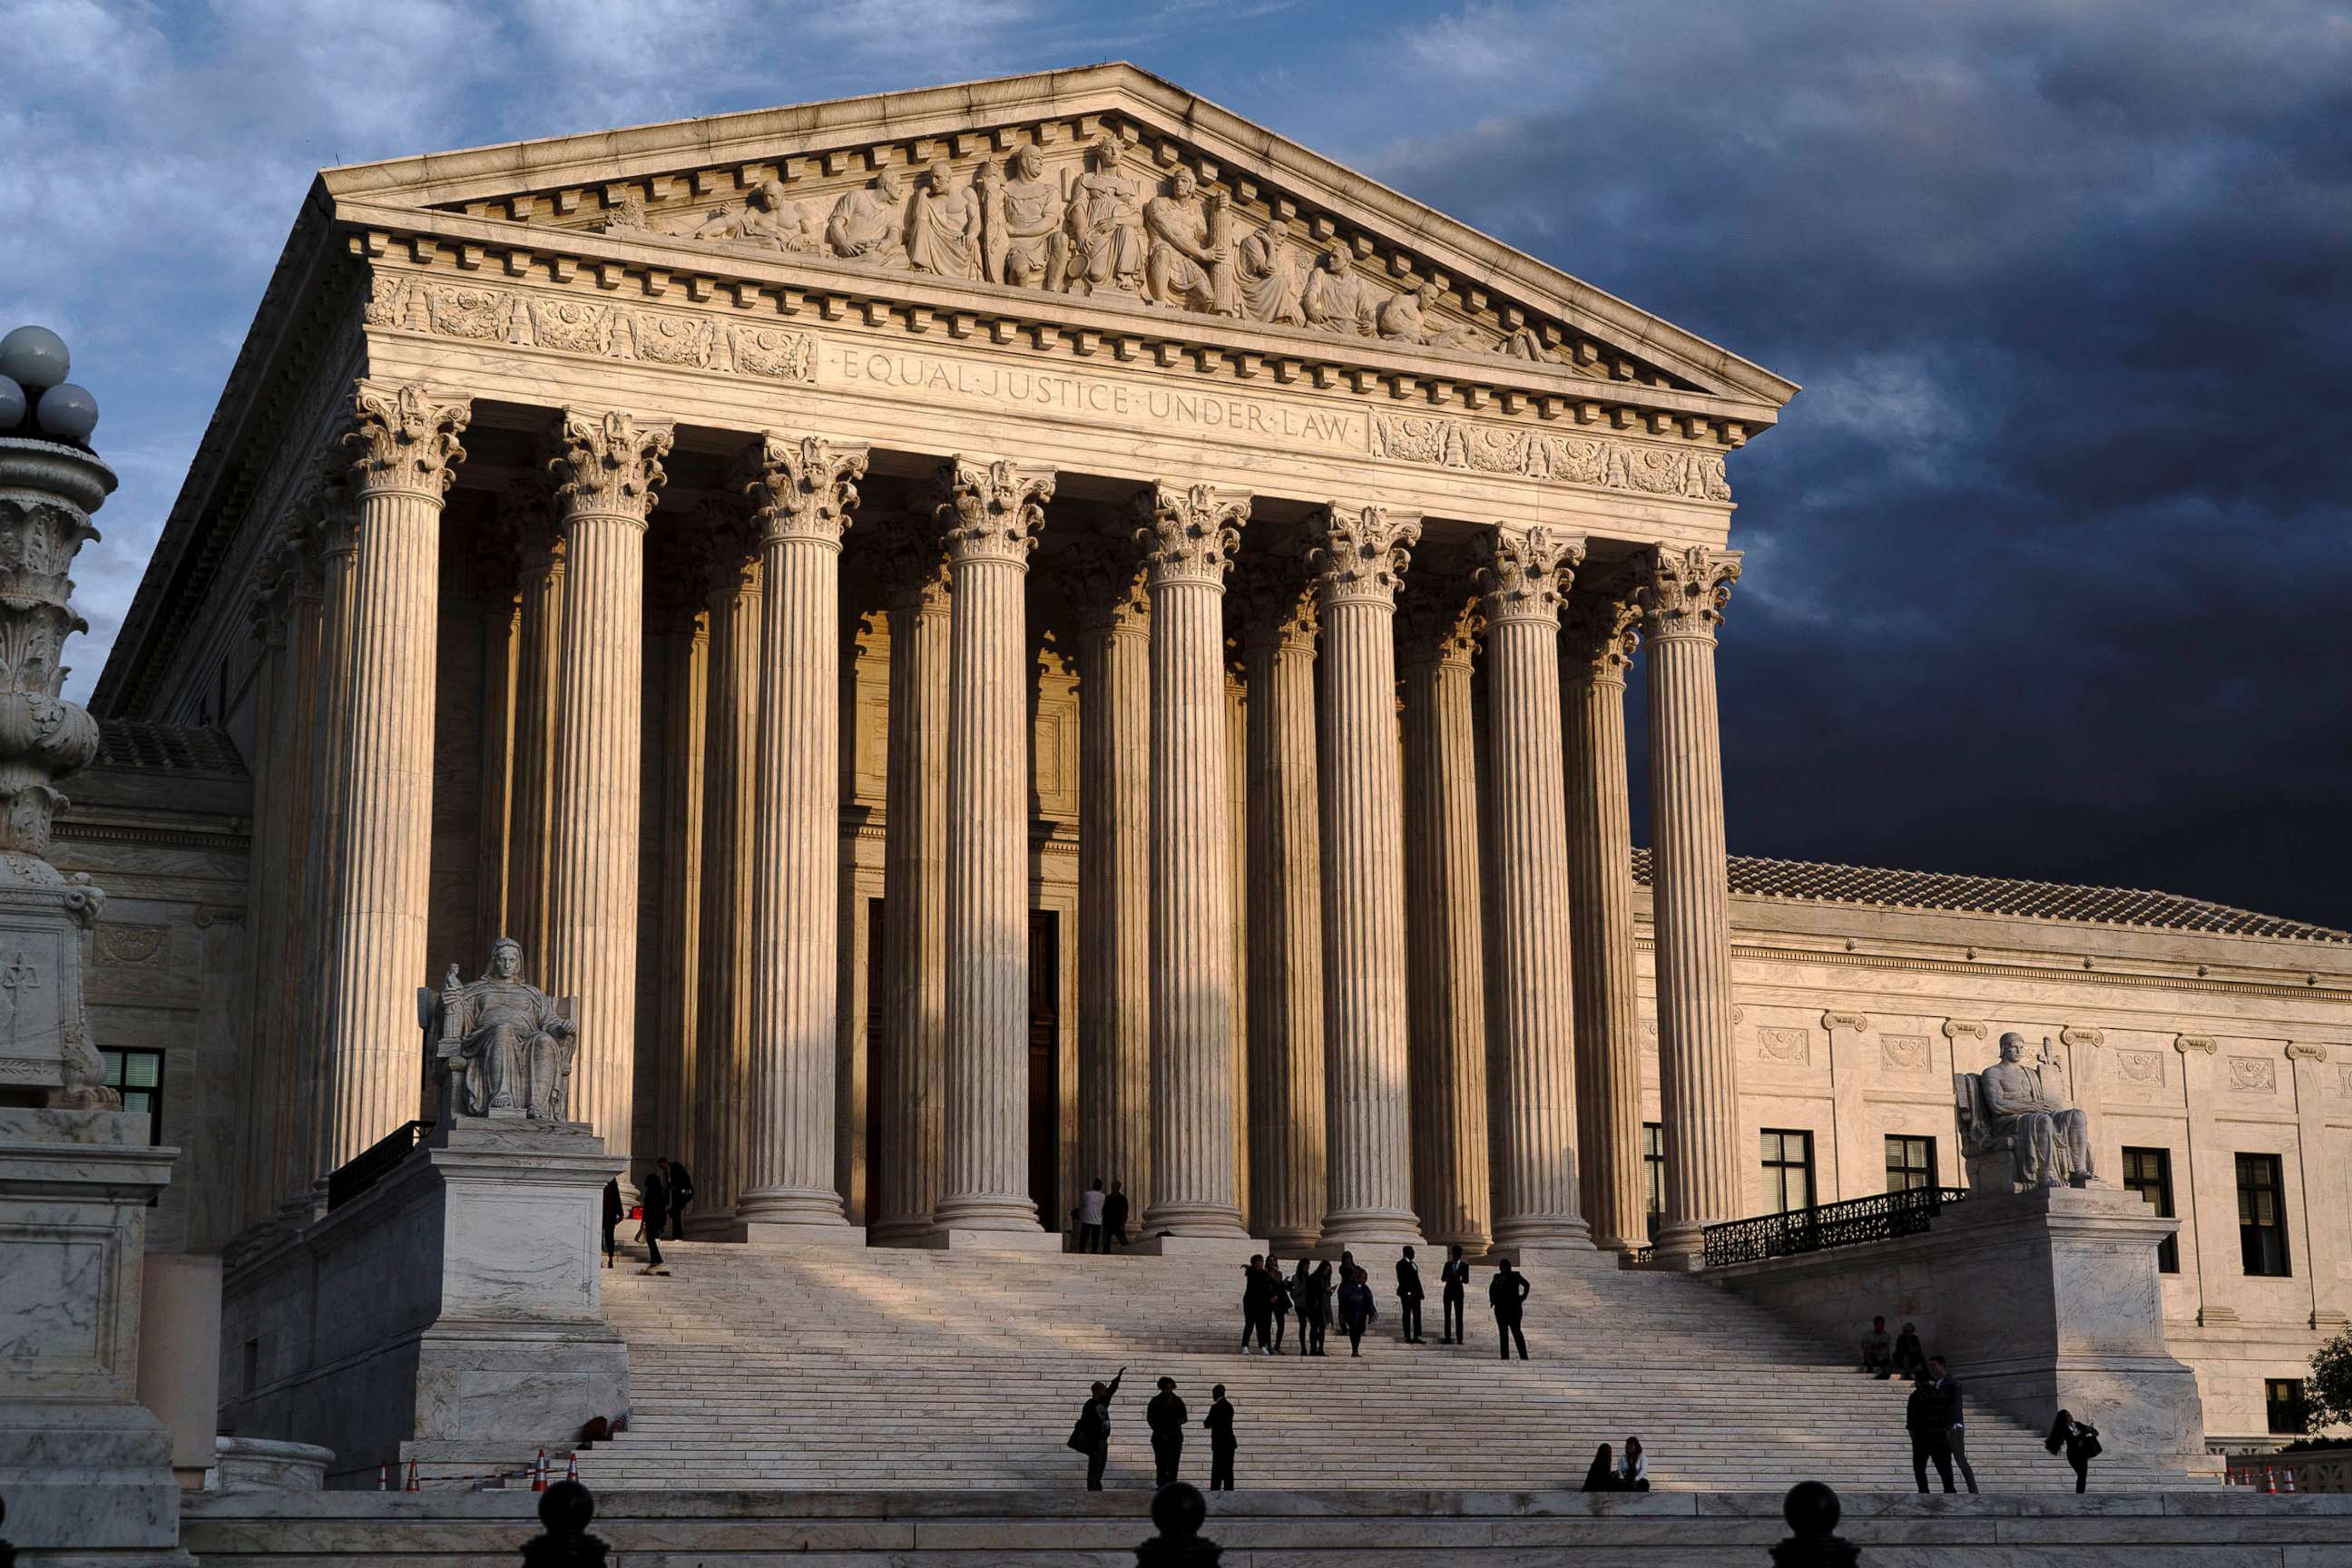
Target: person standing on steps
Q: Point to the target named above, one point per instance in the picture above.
(1356, 1310)
(1278, 1296)
(1114, 1212)
(612, 1215)
(2081, 1441)
(1301, 1281)
(1091, 1436)
(681, 1192)
(1507, 1293)
(1317, 1311)
(1925, 1417)
(1166, 1416)
(1220, 1422)
(653, 1197)
(1939, 1376)
(1408, 1275)
(1257, 1307)
(1091, 1218)
(1456, 1275)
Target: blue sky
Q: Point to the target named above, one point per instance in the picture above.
(2048, 566)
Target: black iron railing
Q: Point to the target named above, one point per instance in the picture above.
(1879, 1217)
(373, 1163)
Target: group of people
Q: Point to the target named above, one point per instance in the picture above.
(1932, 1416)
(1168, 1417)
(1317, 1295)
(1628, 1472)
(662, 1198)
(1100, 1217)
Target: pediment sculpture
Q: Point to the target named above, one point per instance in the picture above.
(2019, 1125)
(500, 1047)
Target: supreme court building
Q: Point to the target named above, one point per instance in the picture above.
(998, 634)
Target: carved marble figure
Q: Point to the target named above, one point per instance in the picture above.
(943, 226)
(1190, 264)
(1336, 298)
(767, 219)
(870, 223)
(1406, 319)
(2049, 1138)
(1271, 286)
(1101, 242)
(504, 1043)
(1033, 223)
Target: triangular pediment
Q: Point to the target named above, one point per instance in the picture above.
(1104, 182)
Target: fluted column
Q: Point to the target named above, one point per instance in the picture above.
(989, 516)
(337, 556)
(1438, 627)
(1115, 870)
(675, 603)
(539, 636)
(1359, 556)
(1597, 645)
(1537, 1202)
(803, 490)
(254, 1194)
(1187, 537)
(729, 773)
(293, 1138)
(910, 1080)
(1284, 889)
(403, 443)
(1684, 590)
(607, 471)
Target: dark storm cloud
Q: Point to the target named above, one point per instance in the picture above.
(2048, 567)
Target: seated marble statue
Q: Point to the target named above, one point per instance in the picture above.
(506, 1045)
(2048, 1140)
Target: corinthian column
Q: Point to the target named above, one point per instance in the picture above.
(1283, 890)
(403, 445)
(1684, 590)
(1446, 962)
(729, 774)
(293, 1136)
(336, 544)
(912, 1075)
(989, 518)
(675, 603)
(1535, 1036)
(1359, 556)
(539, 636)
(1597, 645)
(803, 491)
(1187, 537)
(1115, 870)
(608, 470)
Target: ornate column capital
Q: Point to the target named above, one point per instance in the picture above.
(1524, 574)
(1956, 1027)
(1360, 553)
(1273, 604)
(1684, 588)
(1111, 591)
(1187, 534)
(910, 565)
(403, 439)
(1600, 632)
(610, 464)
(803, 488)
(992, 510)
(1440, 621)
(330, 516)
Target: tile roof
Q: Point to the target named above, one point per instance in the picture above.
(148, 746)
(1999, 896)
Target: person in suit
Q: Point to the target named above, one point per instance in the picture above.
(1601, 1475)
(1091, 1203)
(1114, 1212)
(2081, 1441)
(1094, 1429)
(681, 1192)
(1278, 1299)
(613, 1214)
(1257, 1307)
(1220, 1422)
(1408, 1275)
(653, 1197)
(1455, 1276)
(1507, 1293)
(1955, 1436)
(1356, 1310)
(1927, 1418)
(1166, 1416)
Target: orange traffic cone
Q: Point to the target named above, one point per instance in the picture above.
(412, 1477)
(571, 1470)
(2288, 1476)
(539, 1473)
(2270, 1481)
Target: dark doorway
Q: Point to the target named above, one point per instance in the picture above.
(875, 1087)
(1045, 1069)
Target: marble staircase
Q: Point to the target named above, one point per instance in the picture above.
(848, 1368)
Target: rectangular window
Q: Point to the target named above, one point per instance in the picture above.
(1787, 1170)
(138, 1077)
(2262, 1215)
(1653, 1164)
(2283, 1404)
(2149, 1173)
(1910, 1164)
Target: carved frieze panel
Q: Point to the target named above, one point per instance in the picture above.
(2142, 1069)
(2344, 1079)
(2254, 1075)
(1788, 1047)
(129, 946)
(1903, 1053)
(1480, 447)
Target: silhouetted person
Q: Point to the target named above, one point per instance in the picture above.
(1278, 1300)
(1457, 1278)
(1634, 1468)
(1925, 1417)
(1220, 1422)
(1956, 1437)
(613, 1216)
(1601, 1475)
(653, 1197)
(2081, 1441)
(1114, 1212)
(1408, 1275)
(1166, 1416)
(681, 1192)
(1257, 1307)
(1507, 1294)
(1356, 1310)
(1317, 1309)
(1091, 1218)
(1091, 1436)
(1878, 1351)
(1910, 1356)
(1301, 1279)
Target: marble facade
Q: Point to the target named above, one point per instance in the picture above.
(929, 684)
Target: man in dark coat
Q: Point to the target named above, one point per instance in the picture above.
(1094, 1429)
(1507, 1294)
(613, 1214)
(1166, 1416)
(1457, 1278)
(653, 1196)
(1114, 1212)
(1926, 1416)
(1257, 1307)
(1222, 1445)
(1955, 1435)
(1408, 1274)
(681, 1192)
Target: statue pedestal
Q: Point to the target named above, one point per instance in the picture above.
(86, 1470)
(2039, 1300)
(449, 1314)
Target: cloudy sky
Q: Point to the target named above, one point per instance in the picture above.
(2048, 570)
